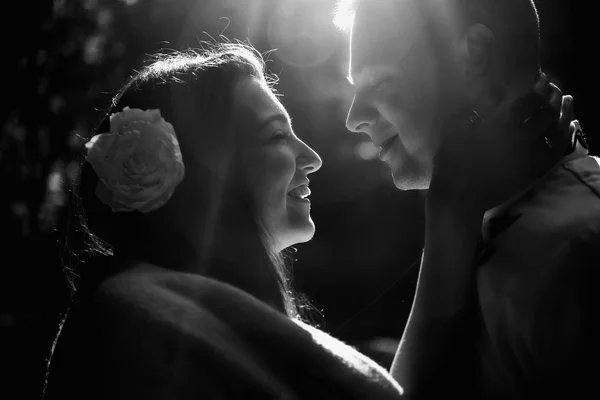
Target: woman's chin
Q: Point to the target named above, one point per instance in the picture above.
(298, 234)
(306, 236)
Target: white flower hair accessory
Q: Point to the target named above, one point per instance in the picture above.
(138, 162)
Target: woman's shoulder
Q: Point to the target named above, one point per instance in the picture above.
(184, 304)
(140, 283)
(228, 330)
(163, 332)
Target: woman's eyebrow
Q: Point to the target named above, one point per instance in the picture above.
(279, 117)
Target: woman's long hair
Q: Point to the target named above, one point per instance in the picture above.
(194, 92)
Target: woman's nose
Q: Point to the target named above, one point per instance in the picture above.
(308, 159)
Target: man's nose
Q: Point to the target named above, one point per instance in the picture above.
(360, 116)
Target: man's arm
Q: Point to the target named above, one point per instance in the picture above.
(476, 168)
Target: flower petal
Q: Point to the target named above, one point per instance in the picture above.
(139, 162)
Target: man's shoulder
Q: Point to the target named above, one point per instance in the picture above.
(586, 172)
(563, 208)
(568, 201)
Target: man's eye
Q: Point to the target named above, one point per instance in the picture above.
(382, 84)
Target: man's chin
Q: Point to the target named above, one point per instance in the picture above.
(404, 181)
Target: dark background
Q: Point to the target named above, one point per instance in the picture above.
(62, 60)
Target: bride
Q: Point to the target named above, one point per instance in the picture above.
(191, 191)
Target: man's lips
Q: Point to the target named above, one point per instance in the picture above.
(387, 144)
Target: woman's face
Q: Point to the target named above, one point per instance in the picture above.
(275, 163)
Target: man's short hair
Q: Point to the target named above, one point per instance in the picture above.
(515, 24)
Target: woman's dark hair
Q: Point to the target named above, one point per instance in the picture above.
(194, 92)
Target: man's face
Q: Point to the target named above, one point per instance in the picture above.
(403, 89)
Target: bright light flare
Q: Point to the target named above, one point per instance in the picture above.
(366, 150)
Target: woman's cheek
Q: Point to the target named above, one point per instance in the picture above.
(268, 173)
(255, 174)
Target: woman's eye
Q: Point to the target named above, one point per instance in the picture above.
(279, 135)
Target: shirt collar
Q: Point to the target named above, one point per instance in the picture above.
(577, 150)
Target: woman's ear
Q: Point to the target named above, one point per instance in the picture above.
(477, 51)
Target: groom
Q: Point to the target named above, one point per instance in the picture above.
(436, 87)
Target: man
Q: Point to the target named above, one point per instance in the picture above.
(443, 88)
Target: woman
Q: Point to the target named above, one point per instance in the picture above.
(189, 194)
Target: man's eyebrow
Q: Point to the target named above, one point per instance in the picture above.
(358, 72)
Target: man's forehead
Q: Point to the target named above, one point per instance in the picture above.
(383, 32)
(376, 48)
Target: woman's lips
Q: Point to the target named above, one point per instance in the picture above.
(300, 192)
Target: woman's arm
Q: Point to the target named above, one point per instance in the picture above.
(435, 355)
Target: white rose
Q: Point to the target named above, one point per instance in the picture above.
(138, 162)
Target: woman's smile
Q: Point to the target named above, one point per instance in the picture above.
(300, 194)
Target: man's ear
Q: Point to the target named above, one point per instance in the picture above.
(477, 50)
